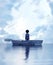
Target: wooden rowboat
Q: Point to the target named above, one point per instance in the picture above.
(25, 43)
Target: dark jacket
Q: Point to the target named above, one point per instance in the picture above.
(27, 36)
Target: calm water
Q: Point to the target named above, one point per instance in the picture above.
(26, 55)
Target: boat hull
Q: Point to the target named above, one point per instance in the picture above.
(27, 43)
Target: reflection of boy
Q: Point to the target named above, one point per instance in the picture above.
(27, 35)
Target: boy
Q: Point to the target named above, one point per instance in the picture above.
(27, 35)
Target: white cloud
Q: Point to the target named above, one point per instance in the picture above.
(0, 28)
(29, 16)
(1, 36)
(51, 0)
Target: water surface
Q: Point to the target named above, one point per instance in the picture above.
(26, 55)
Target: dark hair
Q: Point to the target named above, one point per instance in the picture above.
(27, 31)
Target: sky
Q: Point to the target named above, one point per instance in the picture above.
(18, 15)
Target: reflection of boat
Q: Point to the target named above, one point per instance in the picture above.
(25, 43)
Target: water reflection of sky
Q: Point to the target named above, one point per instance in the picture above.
(17, 55)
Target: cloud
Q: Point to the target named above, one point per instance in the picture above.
(51, 6)
(5, 15)
(0, 28)
(26, 18)
(5, 11)
(35, 15)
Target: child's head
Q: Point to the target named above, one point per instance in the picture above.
(27, 31)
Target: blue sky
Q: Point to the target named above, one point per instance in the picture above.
(18, 15)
